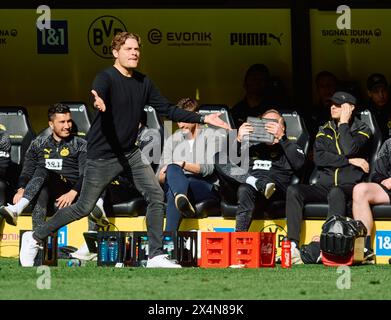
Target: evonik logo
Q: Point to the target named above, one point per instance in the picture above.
(178, 38)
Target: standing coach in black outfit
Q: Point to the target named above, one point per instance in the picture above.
(120, 95)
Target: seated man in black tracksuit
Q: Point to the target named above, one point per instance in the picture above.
(340, 155)
(271, 167)
(53, 169)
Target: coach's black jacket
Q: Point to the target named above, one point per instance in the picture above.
(67, 158)
(334, 146)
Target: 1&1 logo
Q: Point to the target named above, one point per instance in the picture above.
(53, 40)
(101, 32)
(62, 237)
(383, 243)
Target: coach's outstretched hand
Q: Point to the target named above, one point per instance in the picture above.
(98, 103)
(214, 120)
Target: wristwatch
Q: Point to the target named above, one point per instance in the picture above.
(202, 118)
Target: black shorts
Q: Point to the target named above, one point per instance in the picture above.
(387, 191)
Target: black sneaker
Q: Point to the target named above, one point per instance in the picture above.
(369, 257)
(184, 206)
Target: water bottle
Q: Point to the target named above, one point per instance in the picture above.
(75, 263)
(168, 246)
(49, 248)
(286, 261)
(113, 249)
(104, 250)
(143, 251)
(144, 246)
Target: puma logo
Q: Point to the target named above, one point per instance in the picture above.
(278, 39)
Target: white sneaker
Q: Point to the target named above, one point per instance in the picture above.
(269, 190)
(9, 215)
(162, 261)
(28, 250)
(295, 256)
(84, 254)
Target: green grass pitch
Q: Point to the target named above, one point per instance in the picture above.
(91, 282)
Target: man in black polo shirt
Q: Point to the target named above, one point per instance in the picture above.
(120, 94)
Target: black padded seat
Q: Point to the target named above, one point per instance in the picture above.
(208, 208)
(214, 108)
(80, 118)
(18, 127)
(316, 211)
(382, 212)
(134, 208)
(275, 210)
(45, 132)
(16, 124)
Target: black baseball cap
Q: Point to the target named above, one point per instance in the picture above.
(341, 97)
(376, 80)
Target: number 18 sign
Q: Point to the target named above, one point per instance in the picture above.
(383, 243)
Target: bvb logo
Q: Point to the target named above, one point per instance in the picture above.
(101, 32)
(64, 152)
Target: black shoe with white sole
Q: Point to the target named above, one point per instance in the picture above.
(184, 206)
(9, 216)
(99, 217)
(369, 257)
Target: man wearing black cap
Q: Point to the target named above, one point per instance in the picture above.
(379, 103)
(340, 153)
